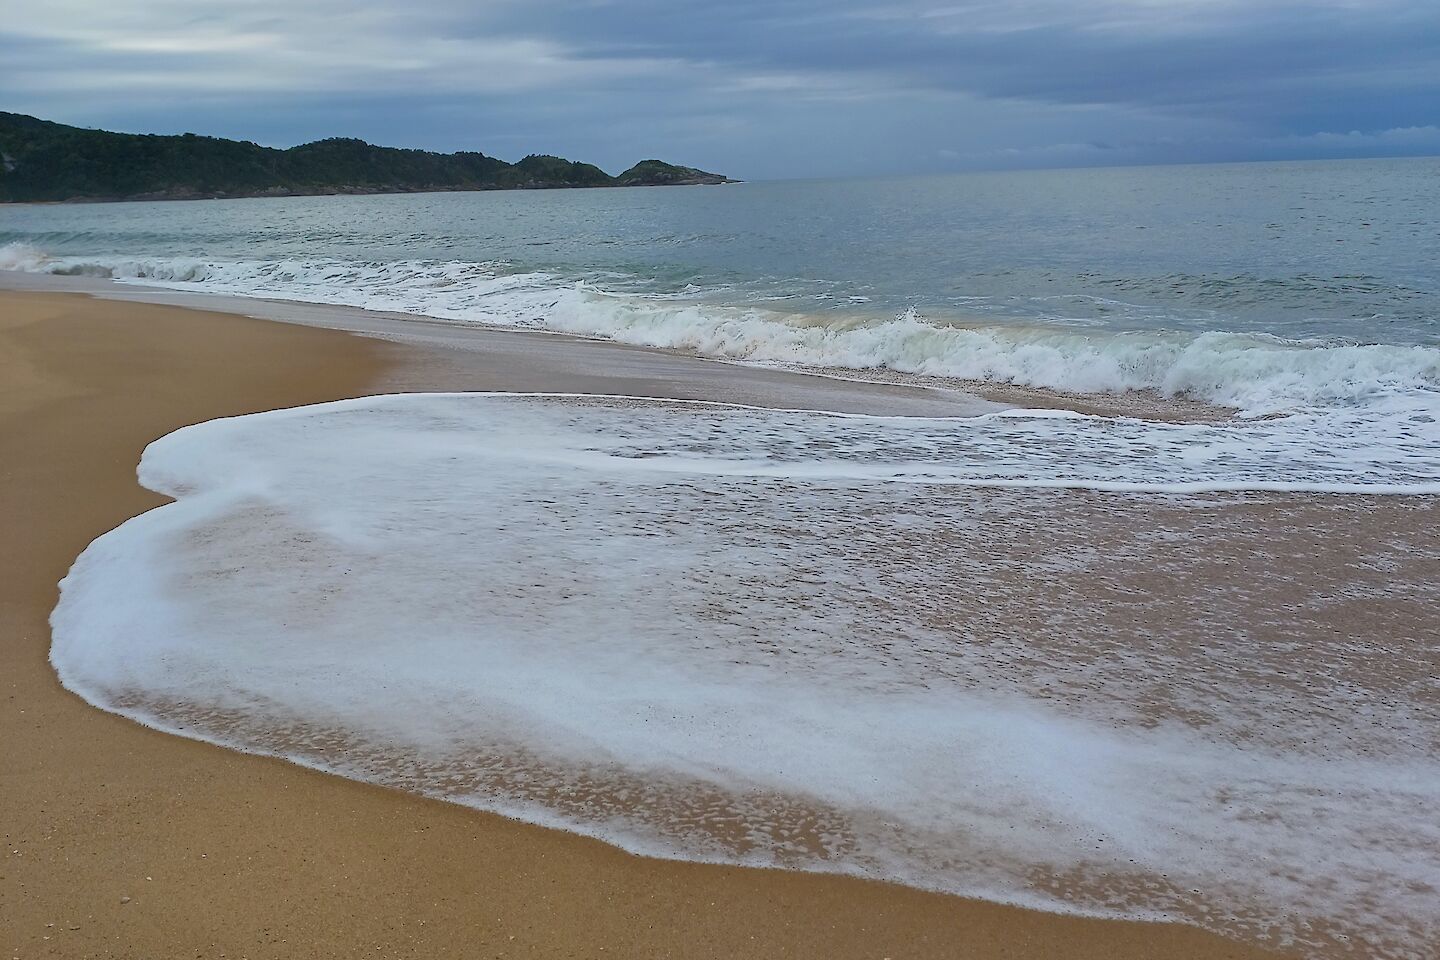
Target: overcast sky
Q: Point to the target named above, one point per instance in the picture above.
(752, 88)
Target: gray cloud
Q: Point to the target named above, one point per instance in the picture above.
(779, 88)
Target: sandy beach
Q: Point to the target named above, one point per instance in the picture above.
(124, 842)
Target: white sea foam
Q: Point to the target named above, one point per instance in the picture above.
(23, 257)
(1257, 374)
(731, 634)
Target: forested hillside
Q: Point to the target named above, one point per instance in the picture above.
(41, 160)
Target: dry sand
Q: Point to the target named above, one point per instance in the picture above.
(123, 842)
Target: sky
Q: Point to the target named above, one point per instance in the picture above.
(751, 88)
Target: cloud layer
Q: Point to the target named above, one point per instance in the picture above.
(772, 88)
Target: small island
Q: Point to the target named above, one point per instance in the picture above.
(43, 161)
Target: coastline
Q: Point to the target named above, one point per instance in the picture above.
(256, 857)
(521, 355)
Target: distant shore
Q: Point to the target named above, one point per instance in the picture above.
(126, 842)
(41, 160)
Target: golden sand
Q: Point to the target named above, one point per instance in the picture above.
(123, 842)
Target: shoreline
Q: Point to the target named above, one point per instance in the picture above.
(258, 857)
(882, 391)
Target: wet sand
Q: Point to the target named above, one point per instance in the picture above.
(124, 842)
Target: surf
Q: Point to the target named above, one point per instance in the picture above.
(730, 634)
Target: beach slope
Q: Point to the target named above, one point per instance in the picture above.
(123, 842)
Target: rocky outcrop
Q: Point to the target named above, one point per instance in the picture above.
(658, 173)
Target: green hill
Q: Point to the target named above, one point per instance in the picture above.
(45, 161)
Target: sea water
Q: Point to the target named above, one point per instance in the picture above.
(1270, 288)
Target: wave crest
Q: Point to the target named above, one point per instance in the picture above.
(1254, 373)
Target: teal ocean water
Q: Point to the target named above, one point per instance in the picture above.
(1298, 250)
(1307, 290)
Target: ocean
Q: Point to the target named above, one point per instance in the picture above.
(1076, 266)
(1111, 664)
(1294, 288)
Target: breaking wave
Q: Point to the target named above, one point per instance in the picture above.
(1254, 373)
